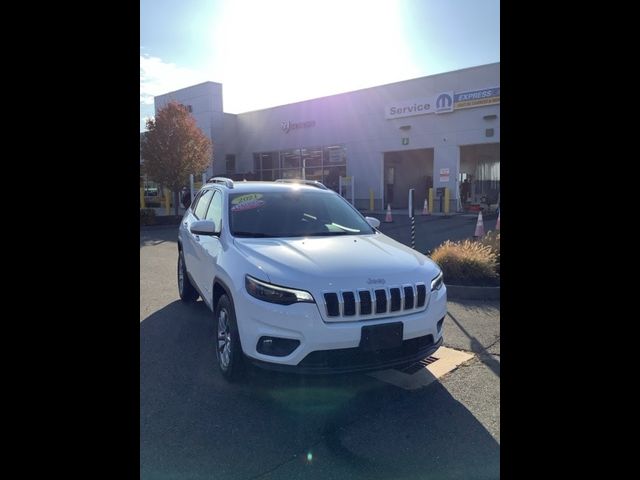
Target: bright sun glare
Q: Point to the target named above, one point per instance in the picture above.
(280, 51)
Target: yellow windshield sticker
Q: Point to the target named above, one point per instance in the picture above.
(247, 202)
(246, 198)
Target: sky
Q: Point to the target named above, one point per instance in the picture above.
(273, 52)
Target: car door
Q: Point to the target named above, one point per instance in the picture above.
(192, 242)
(209, 247)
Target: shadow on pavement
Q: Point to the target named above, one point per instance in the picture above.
(483, 354)
(195, 425)
(156, 235)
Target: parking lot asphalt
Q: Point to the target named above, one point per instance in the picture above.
(195, 425)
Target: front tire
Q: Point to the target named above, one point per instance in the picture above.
(228, 348)
(187, 291)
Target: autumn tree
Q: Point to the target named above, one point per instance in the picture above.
(174, 147)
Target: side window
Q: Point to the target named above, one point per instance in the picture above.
(215, 211)
(202, 205)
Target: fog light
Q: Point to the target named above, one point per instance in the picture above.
(440, 322)
(276, 347)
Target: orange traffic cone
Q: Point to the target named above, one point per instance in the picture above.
(388, 218)
(425, 209)
(498, 222)
(479, 226)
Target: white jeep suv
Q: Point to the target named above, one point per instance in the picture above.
(299, 280)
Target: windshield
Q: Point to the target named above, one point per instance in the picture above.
(296, 213)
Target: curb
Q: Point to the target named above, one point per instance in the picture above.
(462, 292)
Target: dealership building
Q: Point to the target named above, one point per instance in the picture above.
(436, 132)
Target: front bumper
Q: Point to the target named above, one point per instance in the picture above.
(330, 347)
(349, 360)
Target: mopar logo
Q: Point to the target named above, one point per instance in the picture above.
(285, 126)
(444, 103)
(373, 281)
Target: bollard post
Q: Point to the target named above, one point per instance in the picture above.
(412, 192)
(446, 200)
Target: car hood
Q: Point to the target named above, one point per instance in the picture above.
(344, 261)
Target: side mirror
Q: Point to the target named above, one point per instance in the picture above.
(374, 222)
(203, 227)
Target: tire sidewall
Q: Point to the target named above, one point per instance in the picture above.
(235, 368)
(188, 293)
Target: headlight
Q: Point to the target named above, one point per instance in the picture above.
(274, 293)
(436, 283)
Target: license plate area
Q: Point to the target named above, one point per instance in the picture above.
(381, 337)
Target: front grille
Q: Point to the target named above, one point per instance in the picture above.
(392, 300)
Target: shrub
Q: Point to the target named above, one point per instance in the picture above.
(466, 263)
(147, 216)
(492, 239)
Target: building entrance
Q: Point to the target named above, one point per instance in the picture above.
(479, 178)
(405, 170)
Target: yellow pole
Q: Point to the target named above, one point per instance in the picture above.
(142, 204)
(167, 200)
(371, 199)
(431, 200)
(446, 200)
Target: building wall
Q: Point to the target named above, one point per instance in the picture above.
(356, 120)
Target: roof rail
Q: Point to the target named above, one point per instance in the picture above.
(226, 181)
(312, 183)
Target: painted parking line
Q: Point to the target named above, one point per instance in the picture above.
(442, 361)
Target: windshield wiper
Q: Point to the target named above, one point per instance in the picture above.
(327, 234)
(346, 229)
(252, 234)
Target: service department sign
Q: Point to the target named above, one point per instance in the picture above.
(445, 102)
(477, 98)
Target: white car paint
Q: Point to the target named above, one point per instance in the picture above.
(316, 265)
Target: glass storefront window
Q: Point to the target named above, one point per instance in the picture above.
(312, 157)
(268, 161)
(290, 158)
(324, 164)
